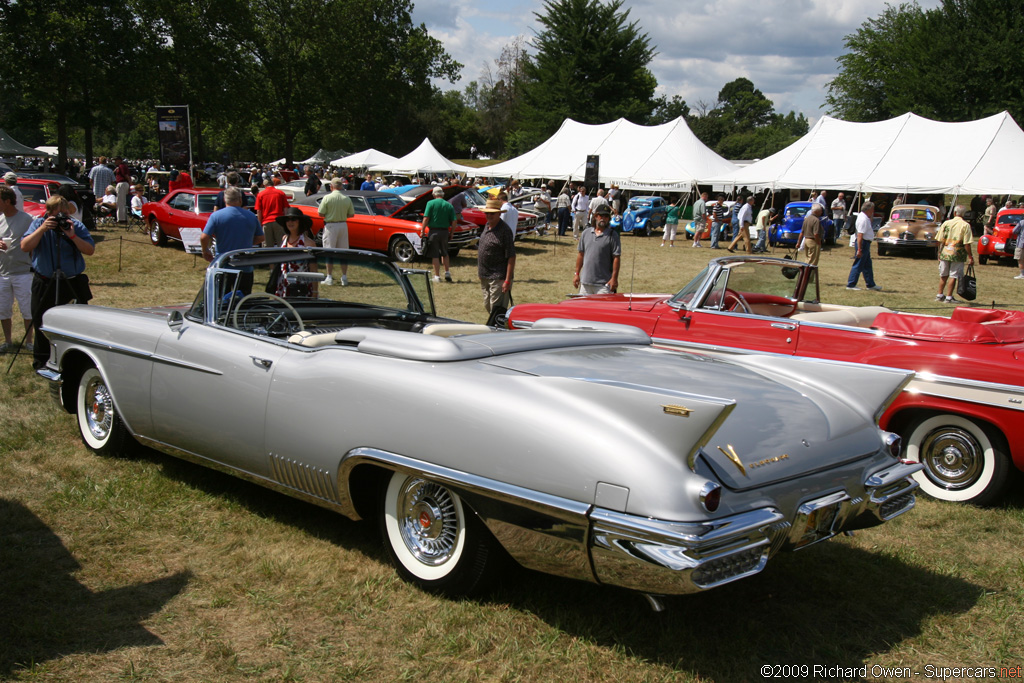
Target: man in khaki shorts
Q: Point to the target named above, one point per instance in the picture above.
(336, 208)
(954, 238)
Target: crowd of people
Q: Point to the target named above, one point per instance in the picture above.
(42, 260)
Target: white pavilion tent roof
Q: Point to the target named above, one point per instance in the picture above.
(368, 157)
(423, 159)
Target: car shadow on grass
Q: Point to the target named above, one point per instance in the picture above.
(46, 612)
(833, 604)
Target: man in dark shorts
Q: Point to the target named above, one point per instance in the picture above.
(438, 220)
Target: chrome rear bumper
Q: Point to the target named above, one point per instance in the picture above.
(665, 557)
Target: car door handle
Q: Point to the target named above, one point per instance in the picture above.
(262, 362)
(784, 326)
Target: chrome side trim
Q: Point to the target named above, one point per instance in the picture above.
(55, 382)
(679, 557)
(127, 351)
(197, 459)
(541, 531)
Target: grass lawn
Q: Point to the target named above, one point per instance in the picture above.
(152, 569)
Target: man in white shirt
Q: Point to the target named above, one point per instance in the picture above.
(839, 213)
(862, 261)
(745, 219)
(511, 214)
(581, 211)
(11, 181)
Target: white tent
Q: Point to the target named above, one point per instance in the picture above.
(368, 157)
(664, 157)
(906, 154)
(423, 159)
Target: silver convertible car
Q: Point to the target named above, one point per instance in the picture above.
(661, 472)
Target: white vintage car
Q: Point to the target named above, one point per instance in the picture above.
(577, 448)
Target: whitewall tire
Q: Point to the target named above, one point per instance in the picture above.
(99, 424)
(962, 463)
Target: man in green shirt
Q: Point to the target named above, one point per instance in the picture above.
(954, 238)
(438, 220)
(336, 208)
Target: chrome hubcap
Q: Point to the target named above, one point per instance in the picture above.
(428, 521)
(953, 457)
(99, 413)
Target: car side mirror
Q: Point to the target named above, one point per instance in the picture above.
(175, 319)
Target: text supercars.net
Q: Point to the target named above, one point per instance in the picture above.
(879, 671)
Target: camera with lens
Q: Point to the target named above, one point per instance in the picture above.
(63, 222)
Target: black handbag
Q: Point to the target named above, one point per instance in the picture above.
(967, 286)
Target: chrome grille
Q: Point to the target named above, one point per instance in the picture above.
(895, 506)
(733, 566)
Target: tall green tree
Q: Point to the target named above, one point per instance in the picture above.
(591, 65)
(959, 61)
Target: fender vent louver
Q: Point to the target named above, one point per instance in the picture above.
(297, 475)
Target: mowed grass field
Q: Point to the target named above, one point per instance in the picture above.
(152, 569)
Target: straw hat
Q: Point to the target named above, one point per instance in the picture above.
(493, 206)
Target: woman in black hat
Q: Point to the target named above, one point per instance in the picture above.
(297, 233)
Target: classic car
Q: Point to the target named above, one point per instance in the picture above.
(788, 231)
(710, 466)
(642, 215)
(1001, 244)
(388, 224)
(35, 193)
(910, 227)
(706, 232)
(526, 225)
(189, 208)
(962, 415)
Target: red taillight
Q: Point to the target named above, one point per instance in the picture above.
(711, 496)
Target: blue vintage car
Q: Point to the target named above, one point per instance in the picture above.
(642, 215)
(788, 232)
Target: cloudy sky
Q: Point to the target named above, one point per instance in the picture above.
(788, 48)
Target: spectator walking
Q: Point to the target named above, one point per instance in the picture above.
(719, 215)
(312, 185)
(839, 214)
(581, 211)
(564, 204)
(123, 179)
(496, 260)
(745, 222)
(597, 201)
(700, 210)
(511, 217)
(765, 218)
(955, 239)
(15, 270)
(543, 205)
(438, 222)
(270, 205)
(811, 234)
(991, 210)
(232, 228)
(59, 245)
(862, 260)
(598, 256)
(336, 208)
(671, 224)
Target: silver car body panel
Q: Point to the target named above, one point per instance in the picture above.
(608, 488)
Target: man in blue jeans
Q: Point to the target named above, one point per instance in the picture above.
(719, 214)
(862, 261)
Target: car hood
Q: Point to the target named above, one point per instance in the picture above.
(420, 203)
(761, 419)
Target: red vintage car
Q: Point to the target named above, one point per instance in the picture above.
(528, 222)
(962, 415)
(36, 192)
(386, 223)
(1001, 243)
(189, 208)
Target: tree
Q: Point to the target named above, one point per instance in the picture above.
(957, 62)
(666, 110)
(590, 65)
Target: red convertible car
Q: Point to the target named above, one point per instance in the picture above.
(1001, 243)
(386, 223)
(36, 192)
(189, 208)
(962, 416)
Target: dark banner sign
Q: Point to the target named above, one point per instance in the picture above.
(173, 135)
(590, 178)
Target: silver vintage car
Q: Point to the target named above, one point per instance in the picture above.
(576, 448)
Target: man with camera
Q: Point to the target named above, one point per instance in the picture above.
(58, 244)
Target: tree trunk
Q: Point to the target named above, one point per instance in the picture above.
(62, 139)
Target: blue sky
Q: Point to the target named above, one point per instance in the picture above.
(788, 48)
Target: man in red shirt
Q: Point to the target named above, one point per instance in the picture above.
(271, 204)
(123, 178)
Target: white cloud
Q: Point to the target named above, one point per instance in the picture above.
(787, 48)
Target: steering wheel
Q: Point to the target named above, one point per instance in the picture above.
(278, 323)
(734, 300)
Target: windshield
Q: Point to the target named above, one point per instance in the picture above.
(370, 284)
(474, 198)
(773, 279)
(686, 294)
(797, 211)
(33, 193)
(1010, 218)
(640, 202)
